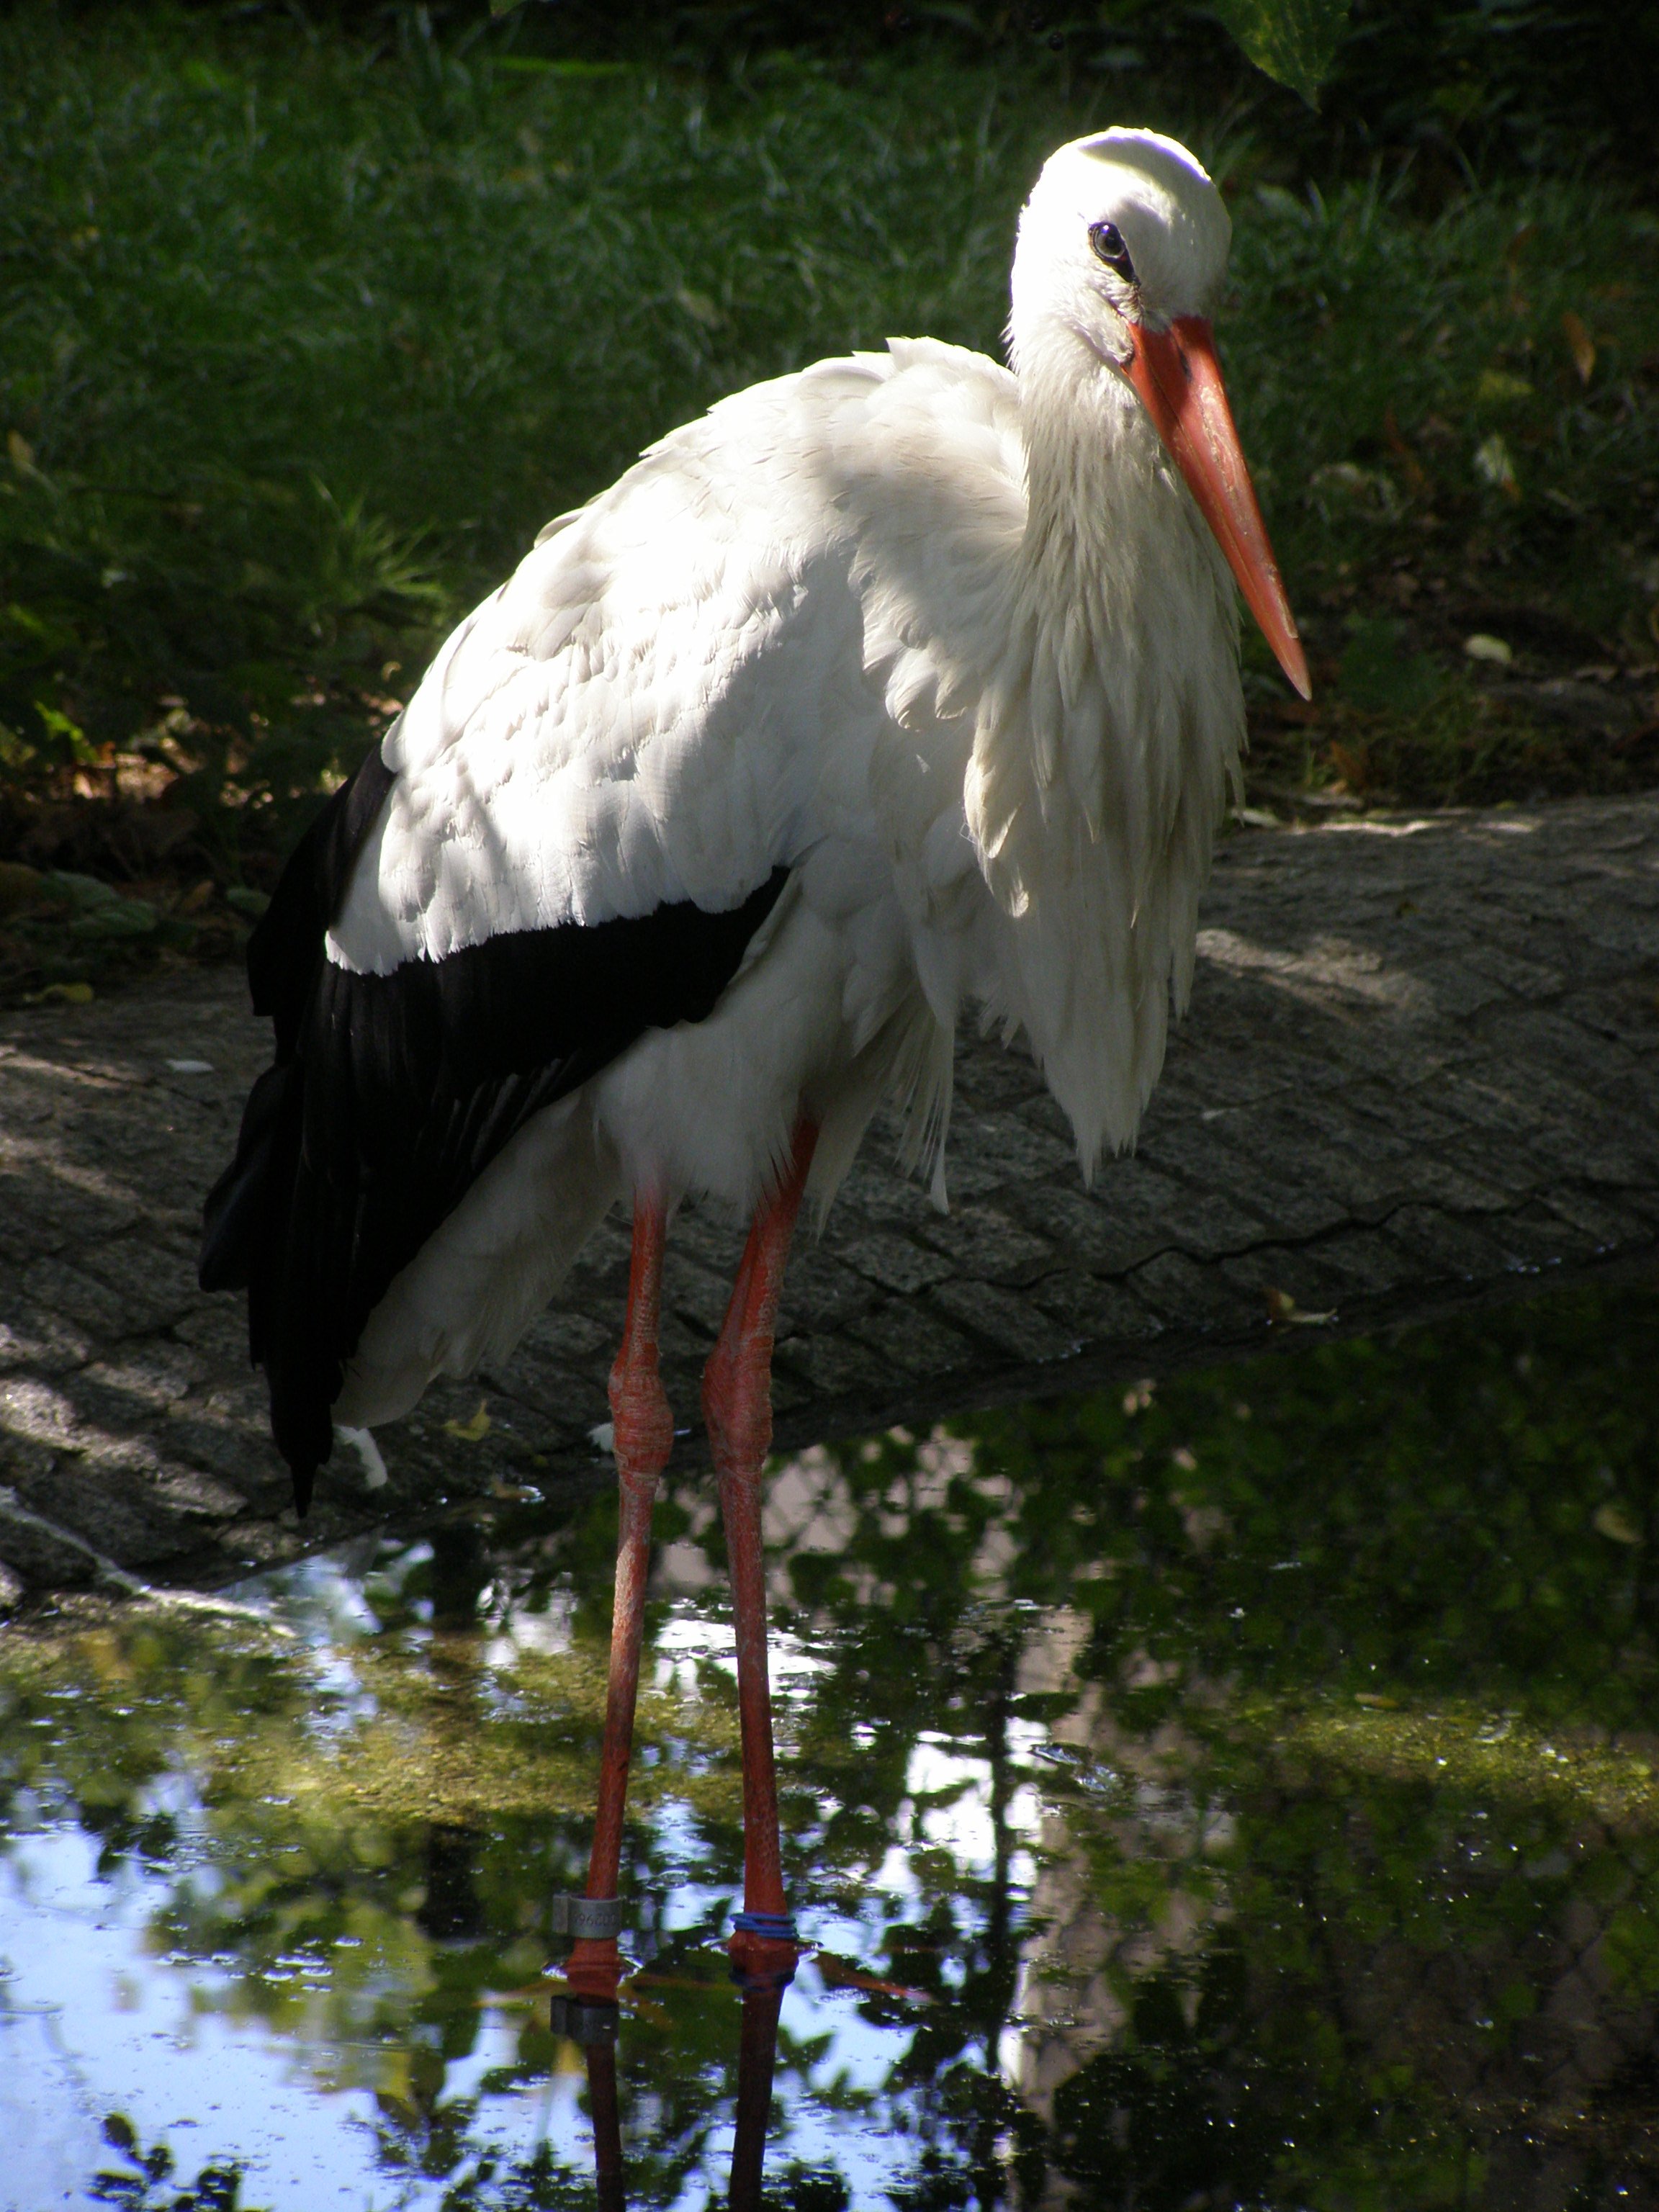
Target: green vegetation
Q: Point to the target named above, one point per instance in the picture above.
(302, 337)
(1294, 40)
(1329, 1675)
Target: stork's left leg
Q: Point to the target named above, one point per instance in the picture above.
(644, 1434)
(737, 1405)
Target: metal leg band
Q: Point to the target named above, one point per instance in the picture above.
(597, 1918)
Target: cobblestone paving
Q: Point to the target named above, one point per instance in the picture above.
(1421, 1067)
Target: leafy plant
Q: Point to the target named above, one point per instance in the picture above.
(1379, 674)
(1294, 40)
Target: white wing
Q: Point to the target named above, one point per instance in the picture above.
(699, 676)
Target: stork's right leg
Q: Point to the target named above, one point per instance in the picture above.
(737, 1404)
(644, 1438)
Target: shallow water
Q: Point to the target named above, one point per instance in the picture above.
(1240, 1790)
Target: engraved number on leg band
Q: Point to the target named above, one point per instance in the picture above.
(595, 1918)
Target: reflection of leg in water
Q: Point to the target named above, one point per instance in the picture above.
(737, 1403)
(756, 2054)
(594, 2027)
(607, 2125)
(644, 1438)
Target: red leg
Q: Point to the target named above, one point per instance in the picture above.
(737, 1404)
(644, 1438)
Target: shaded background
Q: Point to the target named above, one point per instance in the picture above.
(310, 317)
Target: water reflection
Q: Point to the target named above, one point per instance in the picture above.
(1236, 1792)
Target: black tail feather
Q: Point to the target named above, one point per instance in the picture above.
(286, 948)
(236, 1221)
(248, 1236)
(391, 1094)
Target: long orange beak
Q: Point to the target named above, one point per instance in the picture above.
(1179, 380)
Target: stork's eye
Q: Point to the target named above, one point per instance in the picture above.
(1107, 241)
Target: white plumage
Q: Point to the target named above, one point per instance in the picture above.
(900, 689)
(950, 642)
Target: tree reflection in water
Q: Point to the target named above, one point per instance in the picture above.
(1238, 1792)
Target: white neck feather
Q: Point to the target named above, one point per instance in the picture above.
(1105, 736)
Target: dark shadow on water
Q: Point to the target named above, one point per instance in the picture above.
(1240, 1790)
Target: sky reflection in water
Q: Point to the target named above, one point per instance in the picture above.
(1235, 1792)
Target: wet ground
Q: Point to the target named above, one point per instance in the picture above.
(1241, 1790)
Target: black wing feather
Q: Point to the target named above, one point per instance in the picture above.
(391, 1094)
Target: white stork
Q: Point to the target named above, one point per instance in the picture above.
(901, 685)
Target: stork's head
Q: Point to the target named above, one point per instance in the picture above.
(1122, 248)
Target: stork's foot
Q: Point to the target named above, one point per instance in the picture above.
(762, 1962)
(594, 1971)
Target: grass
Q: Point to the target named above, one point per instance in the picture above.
(299, 344)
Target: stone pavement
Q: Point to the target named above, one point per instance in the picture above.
(1421, 1068)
